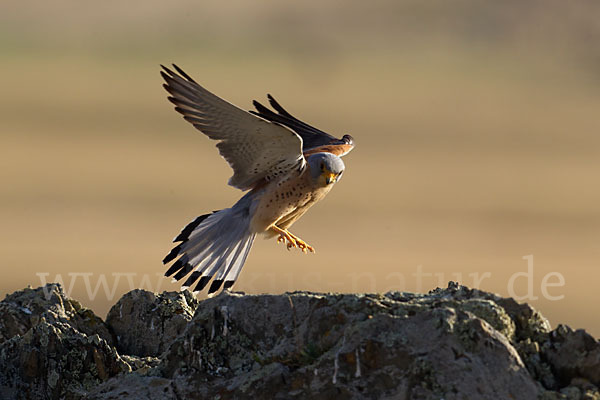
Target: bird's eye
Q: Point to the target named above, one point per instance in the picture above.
(322, 166)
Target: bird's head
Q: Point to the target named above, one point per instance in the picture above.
(325, 168)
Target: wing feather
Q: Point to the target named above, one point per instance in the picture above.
(255, 148)
(314, 140)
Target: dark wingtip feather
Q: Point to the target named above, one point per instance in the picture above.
(215, 285)
(182, 73)
(261, 109)
(202, 284)
(166, 76)
(277, 106)
(168, 70)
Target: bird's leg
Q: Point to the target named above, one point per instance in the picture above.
(293, 240)
(283, 236)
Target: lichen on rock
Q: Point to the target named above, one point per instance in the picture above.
(23, 309)
(146, 323)
(450, 343)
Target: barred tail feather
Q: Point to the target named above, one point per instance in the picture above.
(233, 264)
(213, 244)
(233, 272)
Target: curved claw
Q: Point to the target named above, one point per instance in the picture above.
(292, 240)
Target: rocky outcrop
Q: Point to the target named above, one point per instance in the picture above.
(22, 310)
(52, 348)
(146, 323)
(452, 343)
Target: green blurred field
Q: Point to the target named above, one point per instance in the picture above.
(477, 130)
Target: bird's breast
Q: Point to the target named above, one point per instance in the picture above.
(283, 199)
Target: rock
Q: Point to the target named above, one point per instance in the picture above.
(451, 343)
(304, 345)
(55, 361)
(142, 365)
(573, 354)
(22, 310)
(134, 387)
(145, 323)
(51, 347)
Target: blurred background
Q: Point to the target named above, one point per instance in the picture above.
(477, 128)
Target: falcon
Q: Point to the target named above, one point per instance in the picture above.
(284, 164)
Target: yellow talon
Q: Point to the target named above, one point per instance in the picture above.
(292, 240)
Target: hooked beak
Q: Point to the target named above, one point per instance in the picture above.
(330, 178)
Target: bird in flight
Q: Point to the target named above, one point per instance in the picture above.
(284, 164)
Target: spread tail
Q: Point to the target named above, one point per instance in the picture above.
(213, 245)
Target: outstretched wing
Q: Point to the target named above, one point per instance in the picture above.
(255, 148)
(314, 140)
